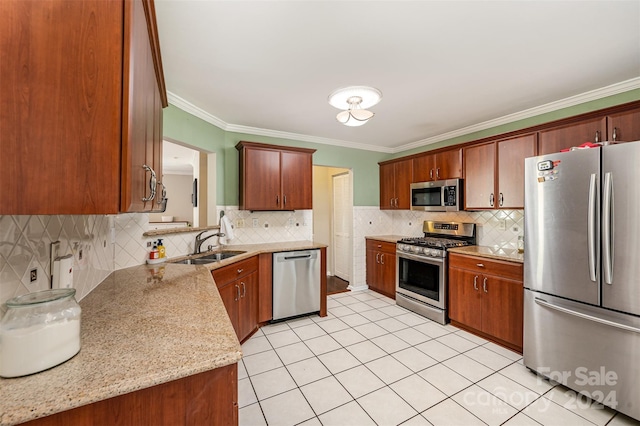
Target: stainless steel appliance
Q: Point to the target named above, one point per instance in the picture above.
(437, 196)
(582, 272)
(296, 283)
(421, 281)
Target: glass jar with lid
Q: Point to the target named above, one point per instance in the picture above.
(38, 331)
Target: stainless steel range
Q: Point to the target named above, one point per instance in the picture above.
(421, 283)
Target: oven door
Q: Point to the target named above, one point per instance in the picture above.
(422, 278)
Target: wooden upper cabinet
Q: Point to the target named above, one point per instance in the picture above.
(564, 137)
(511, 154)
(68, 122)
(142, 114)
(438, 166)
(479, 177)
(395, 181)
(274, 177)
(624, 126)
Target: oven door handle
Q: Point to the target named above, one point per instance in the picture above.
(432, 260)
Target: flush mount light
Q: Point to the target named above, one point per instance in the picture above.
(355, 99)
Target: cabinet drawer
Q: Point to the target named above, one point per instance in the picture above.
(234, 271)
(510, 270)
(383, 246)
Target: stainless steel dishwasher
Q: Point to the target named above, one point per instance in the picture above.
(296, 283)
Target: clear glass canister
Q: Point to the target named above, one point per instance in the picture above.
(38, 331)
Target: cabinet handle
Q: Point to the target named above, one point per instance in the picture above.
(484, 285)
(431, 174)
(240, 271)
(615, 134)
(379, 245)
(244, 289)
(152, 184)
(382, 259)
(597, 139)
(377, 257)
(284, 199)
(501, 199)
(391, 202)
(237, 293)
(396, 202)
(163, 194)
(438, 173)
(475, 282)
(480, 265)
(277, 200)
(491, 199)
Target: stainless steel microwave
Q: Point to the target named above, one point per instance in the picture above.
(437, 196)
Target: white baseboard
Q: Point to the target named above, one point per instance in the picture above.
(357, 288)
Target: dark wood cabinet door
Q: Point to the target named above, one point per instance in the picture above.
(61, 97)
(248, 305)
(142, 112)
(511, 155)
(230, 295)
(448, 164)
(424, 168)
(559, 138)
(387, 186)
(297, 176)
(387, 274)
(465, 304)
(260, 175)
(372, 270)
(624, 127)
(479, 177)
(403, 176)
(502, 309)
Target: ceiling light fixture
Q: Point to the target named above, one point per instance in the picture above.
(356, 99)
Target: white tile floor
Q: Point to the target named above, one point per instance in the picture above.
(370, 362)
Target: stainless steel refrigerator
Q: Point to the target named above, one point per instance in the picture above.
(582, 272)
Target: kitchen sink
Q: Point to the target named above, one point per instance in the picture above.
(210, 258)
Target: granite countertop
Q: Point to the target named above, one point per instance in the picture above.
(141, 327)
(386, 238)
(491, 253)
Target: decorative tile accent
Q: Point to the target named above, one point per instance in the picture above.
(25, 245)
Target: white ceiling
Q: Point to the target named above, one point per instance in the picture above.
(267, 67)
(177, 159)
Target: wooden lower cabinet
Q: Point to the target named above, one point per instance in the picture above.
(238, 288)
(486, 298)
(209, 398)
(381, 267)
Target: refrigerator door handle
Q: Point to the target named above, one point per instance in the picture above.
(607, 228)
(592, 231)
(562, 309)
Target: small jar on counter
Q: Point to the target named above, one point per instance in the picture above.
(38, 331)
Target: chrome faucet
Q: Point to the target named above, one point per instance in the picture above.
(198, 243)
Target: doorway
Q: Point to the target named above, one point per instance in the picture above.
(333, 223)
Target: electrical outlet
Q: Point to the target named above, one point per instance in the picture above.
(239, 223)
(502, 225)
(54, 252)
(33, 275)
(291, 221)
(255, 222)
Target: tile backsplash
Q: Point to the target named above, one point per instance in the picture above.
(102, 244)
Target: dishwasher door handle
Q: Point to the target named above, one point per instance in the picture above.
(304, 256)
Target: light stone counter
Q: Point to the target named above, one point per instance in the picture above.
(141, 327)
(490, 253)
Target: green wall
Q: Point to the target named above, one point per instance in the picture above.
(186, 128)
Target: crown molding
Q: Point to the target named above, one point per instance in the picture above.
(592, 95)
(187, 106)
